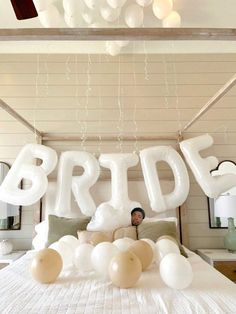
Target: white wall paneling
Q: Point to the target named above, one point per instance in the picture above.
(131, 95)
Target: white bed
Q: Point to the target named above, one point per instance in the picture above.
(210, 292)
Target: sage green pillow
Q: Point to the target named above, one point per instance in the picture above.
(155, 230)
(61, 226)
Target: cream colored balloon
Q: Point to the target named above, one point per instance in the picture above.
(46, 265)
(143, 251)
(169, 238)
(125, 269)
(99, 237)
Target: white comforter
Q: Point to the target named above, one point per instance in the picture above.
(210, 292)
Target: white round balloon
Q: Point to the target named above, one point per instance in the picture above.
(50, 17)
(134, 16)
(82, 257)
(176, 271)
(116, 3)
(65, 251)
(164, 247)
(122, 43)
(72, 7)
(123, 244)
(42, 5)
(112, 48)
(72, 241)
(162, 8)
(91, 4)
(101, 257)
(109, 14)
(144, 3)
(172, 20)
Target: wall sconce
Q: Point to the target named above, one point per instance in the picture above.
(225, 206)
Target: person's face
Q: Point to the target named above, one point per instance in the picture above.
(136, 218)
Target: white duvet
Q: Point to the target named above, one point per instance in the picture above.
(210, 292)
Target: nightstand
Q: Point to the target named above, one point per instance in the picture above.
(222, 260)
(9, 258)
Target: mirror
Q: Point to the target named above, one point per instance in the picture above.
(10, 215)
(224, 167)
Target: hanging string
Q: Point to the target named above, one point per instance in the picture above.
(145, 61)
(120, 119)
(78, 105)
(68, 68)
(167, 90)
(222, 129)
(36, 95)
(87, 94)
(46, 83)
(100, 110)
(176, 88)
(136, 148)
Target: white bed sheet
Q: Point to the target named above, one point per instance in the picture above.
(210, 292)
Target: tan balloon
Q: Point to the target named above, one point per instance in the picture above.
(99, 237)
(46, 265)
(125, 269)
(143, 251)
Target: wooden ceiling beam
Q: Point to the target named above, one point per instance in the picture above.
(98, 34)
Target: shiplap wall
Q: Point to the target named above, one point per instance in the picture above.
(125, 95)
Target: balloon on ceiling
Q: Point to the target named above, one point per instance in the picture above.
(100, 14)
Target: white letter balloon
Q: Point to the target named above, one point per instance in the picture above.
(149, 157)
(201, 167)
(116, 212)
(80, 185)
(24, 168)
(176, 271)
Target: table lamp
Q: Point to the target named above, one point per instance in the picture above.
(225, 206)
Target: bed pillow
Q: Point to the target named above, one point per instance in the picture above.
(156, 229)
(125, 232)
(94, 237)
(157, 218)
(61, 226)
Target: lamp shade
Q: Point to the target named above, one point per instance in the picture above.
(225, 206)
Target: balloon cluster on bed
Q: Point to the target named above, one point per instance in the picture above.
(122, 261)
(106, 13)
